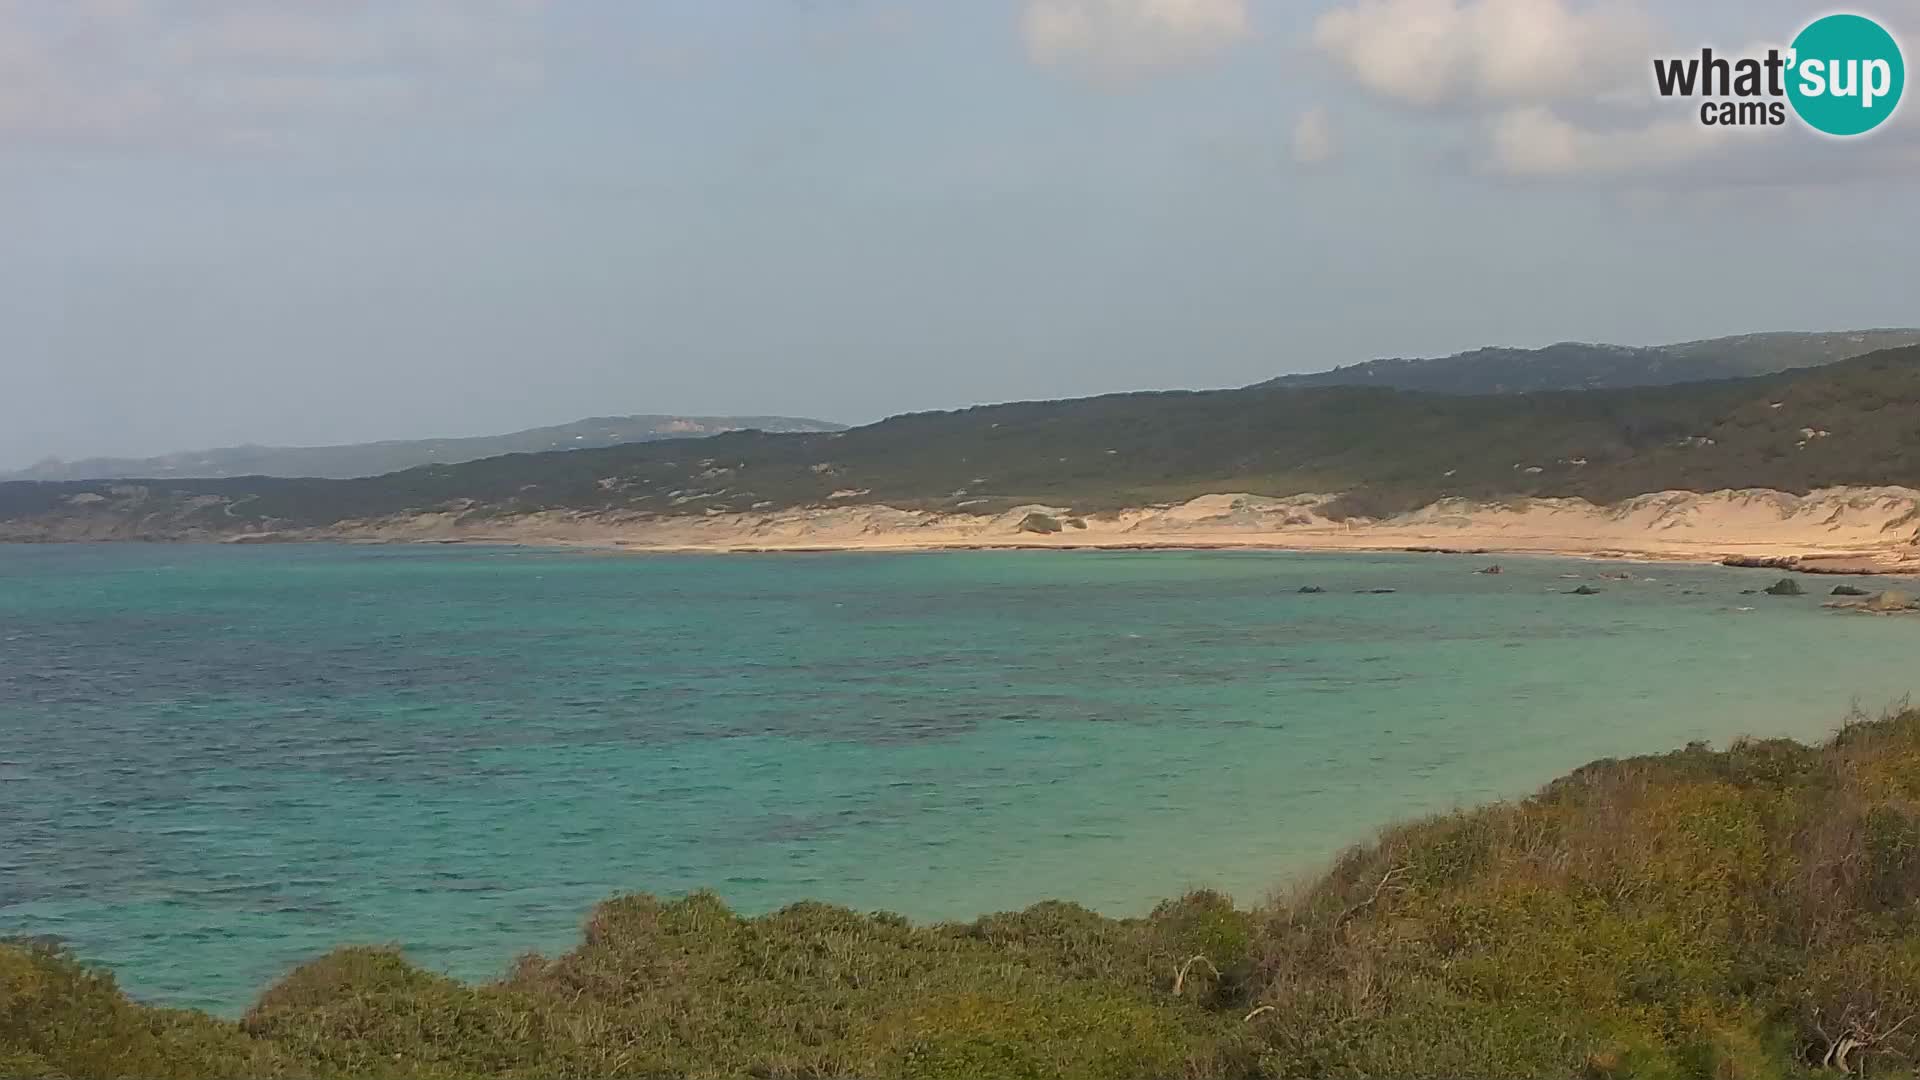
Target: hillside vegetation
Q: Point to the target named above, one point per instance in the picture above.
(1572, 365)
(1746, 913)
(1853, 422)
(1565, 366)
(376, 458)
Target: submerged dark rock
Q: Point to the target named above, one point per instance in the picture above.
(1584, 590)
(1786, 586)
(1311, 589)
(1849, 590)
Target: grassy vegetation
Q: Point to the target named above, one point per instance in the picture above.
(1746, 913)
(1854, 422)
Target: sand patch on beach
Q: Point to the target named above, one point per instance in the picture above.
(1873, 529)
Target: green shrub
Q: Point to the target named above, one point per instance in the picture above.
(1065, 1034)
(60, 1019)
(1743, 914)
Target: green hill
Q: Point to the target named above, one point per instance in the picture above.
(375, 458)
(1572, 365)
(1748, 914)
(1853, 422)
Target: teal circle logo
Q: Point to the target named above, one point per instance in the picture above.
(1845, 75)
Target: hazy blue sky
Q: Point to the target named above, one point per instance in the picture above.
(298, 221)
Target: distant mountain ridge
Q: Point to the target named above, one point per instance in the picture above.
(1572, 365)
(1855, 423)
(351, 460)
(1487, 371)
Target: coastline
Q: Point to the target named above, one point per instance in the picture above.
(1462, 928)
(1840, 530)
(1855, 530)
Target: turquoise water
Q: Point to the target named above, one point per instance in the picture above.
(217, 762)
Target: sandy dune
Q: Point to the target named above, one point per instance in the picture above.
(1837, 529)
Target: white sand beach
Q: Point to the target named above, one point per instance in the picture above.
(1834, 530)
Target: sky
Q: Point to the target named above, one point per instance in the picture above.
(298, 222)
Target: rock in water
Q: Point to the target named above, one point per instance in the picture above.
(1850, 590)
(1891, 602)
(1584, 590)
(1311, 589)
(1786, 586)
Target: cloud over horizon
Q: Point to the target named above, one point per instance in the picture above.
(1557, 90)
(1438, 52)
(324, 221)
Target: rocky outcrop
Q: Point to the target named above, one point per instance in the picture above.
(1890, 602)
(1761, 562)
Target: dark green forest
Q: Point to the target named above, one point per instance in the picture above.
(1573, 365)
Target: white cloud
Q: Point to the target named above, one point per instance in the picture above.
(1123, 37)
(1558, 89)
(240, 71)
(1533, 141)
(1433, 52)
(1313, 137)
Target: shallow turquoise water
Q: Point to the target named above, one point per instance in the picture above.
(216, 762)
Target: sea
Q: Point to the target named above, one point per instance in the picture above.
(217, 762)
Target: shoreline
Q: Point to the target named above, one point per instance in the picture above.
(1846, 530)
(1796, 560)
(1826, 563)
(1184, 984)
(1840, 531)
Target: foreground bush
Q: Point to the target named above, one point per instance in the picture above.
(1747, 913)
(58, 1019)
